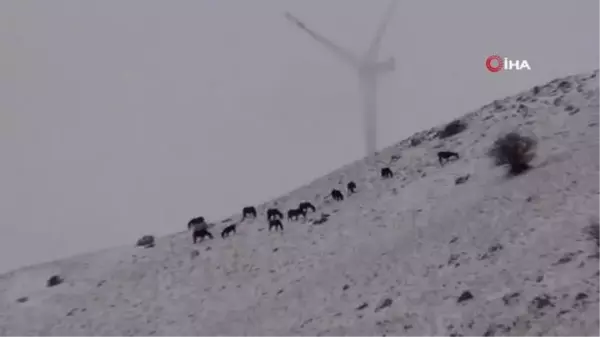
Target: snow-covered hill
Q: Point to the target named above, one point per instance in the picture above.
(414, 255)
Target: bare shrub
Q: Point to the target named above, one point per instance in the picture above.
(452, 128)
(146, 241)
(593, 231)
(415, 141)
(514, 150)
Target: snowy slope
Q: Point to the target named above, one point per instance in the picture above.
(392, 259)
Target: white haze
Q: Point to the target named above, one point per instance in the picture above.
(119, 119)
(396, 258)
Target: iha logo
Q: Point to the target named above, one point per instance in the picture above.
(496, 63)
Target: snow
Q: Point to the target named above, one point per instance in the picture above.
(415, 243)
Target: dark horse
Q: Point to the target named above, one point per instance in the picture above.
(228, 230)
(195, 221)
(386, 172)
(293, 214)
(351, 187)
(274, 213)
(444, 156)
(305, 206)
(275, 224)
(250, 210)
(337, 195)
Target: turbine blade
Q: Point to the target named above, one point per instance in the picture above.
(371, 53)
(344, 54)
(381, 67)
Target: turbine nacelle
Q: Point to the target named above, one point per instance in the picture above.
(380, 67)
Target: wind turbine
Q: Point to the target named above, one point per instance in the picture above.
(368, 70)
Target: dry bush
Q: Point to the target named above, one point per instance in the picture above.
(146, 241)
(452, 128)
(593, 231)
(514, 150)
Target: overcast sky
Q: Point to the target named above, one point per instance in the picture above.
(124, 118)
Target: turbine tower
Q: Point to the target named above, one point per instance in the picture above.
(368, 70)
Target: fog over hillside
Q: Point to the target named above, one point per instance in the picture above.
(440, 248)
(125, 117)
